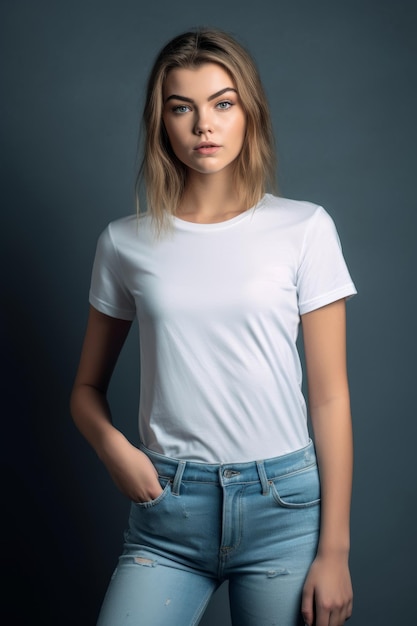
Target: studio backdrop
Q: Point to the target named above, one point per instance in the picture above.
(340, 80)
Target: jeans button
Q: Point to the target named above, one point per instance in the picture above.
(228, 473)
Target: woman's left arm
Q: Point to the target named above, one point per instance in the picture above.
(327, 595)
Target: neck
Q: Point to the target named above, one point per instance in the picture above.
(209, 198)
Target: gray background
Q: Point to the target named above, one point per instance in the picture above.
(340, 78)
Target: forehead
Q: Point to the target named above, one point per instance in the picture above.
(201, 81)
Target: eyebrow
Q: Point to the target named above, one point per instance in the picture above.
(212, 97)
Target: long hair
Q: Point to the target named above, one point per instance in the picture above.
(161, 171)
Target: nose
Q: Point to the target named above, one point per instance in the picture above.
(202, 124)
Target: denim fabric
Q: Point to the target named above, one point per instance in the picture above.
(253, 524)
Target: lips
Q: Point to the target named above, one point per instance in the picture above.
(207, 148)
(206, 144)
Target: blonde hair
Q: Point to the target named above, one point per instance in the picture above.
(162, 172)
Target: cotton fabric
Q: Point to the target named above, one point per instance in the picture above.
(218, 308)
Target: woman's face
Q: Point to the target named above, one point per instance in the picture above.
(203, 117)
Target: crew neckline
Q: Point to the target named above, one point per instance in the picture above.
(202, 226)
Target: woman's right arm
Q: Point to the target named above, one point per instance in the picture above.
(130, 469)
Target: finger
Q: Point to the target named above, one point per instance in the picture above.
(349, 609)
(338, 616)
(322, 616)
(307, 610)
(346, 613)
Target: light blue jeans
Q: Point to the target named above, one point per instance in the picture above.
(253, 524)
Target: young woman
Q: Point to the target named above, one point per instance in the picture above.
(219, 274)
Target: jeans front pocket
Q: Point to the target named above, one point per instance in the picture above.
(166, 485)
(297, 490)
(159, 522)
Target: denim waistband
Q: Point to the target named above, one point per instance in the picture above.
(232, 473)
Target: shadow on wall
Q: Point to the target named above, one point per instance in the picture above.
(52, 569)
(49, 545)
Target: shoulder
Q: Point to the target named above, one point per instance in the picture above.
(124, 230)
(123, 226)
(292, 212)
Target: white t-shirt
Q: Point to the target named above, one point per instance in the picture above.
(218, 308)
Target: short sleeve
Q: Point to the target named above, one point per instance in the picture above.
(323, 276)
(108, 292)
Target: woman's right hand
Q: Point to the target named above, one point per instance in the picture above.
(131, 470)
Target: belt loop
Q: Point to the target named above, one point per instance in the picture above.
(262, 477)
(178, 477)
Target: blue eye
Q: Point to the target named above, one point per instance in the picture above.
(181, 108)
(224, 105)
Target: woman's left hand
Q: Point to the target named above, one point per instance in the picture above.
(327, 595)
